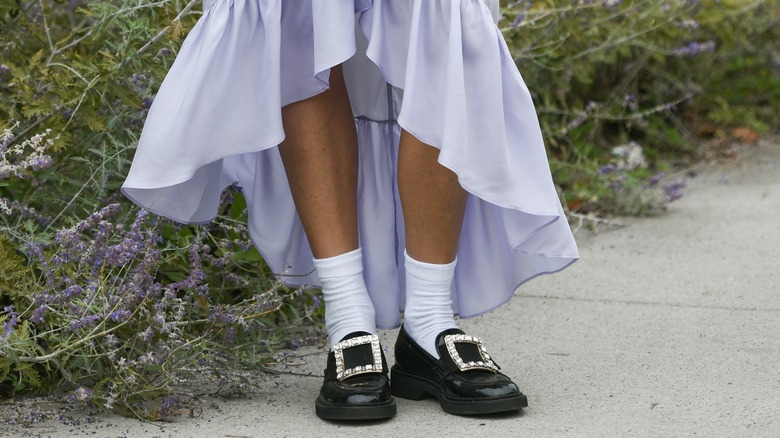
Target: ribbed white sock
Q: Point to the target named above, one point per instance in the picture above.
(348, 307)
(428, 309)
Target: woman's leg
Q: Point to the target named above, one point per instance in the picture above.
(433, 205)
(321, 160)
(433, 202)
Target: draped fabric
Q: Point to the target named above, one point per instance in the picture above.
(439, 69)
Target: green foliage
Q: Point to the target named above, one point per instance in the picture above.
(15, 275)
(87, 71)
(604, 73)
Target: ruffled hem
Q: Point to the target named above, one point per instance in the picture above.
(217, 118)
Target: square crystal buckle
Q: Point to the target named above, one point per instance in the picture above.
(485, 364)
(376, 350)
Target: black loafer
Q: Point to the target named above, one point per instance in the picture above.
(465, 380)
(356, 385)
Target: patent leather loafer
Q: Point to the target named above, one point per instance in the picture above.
(466, 380)
(356, 386)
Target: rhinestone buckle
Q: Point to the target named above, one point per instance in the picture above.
(376, 350)
(485, 364)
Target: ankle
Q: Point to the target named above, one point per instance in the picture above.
(348, 307)
(428, 302)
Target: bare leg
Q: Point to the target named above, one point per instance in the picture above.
(321, 160)
(433, 202)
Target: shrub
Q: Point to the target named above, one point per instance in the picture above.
(105, 305)
(607, 73)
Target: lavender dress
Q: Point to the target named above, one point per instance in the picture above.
(438, 68)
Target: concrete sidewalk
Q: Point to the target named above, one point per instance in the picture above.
(669, 326)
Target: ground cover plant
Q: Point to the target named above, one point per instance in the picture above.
(118, 307)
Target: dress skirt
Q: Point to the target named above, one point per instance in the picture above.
(439, 69)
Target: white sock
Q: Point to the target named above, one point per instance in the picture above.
(428, 309)
(348, 307)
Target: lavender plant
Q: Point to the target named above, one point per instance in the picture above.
(95, 313)
(105, 308)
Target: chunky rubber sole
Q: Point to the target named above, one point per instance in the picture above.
(341, 412)
(413, 387)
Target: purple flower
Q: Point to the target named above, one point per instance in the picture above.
(236, 279)
(81, 394)
(94, 218)
(694, 48)
(519, 19)
(607, 169)
(316, 302)
(218, 316)
(73, 291)
(124, 252)
(5, 73)
(139, 80)
(675, 191)
(85, 322)
(11, 323)
(230, 335)
(617, 184)
(38, 314)
(147, 335)
(630, 102)
(688, 24)
(526, 4)
(120, 315)
(655, 179)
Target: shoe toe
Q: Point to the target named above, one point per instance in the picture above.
(357, 390)
(480, 385)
